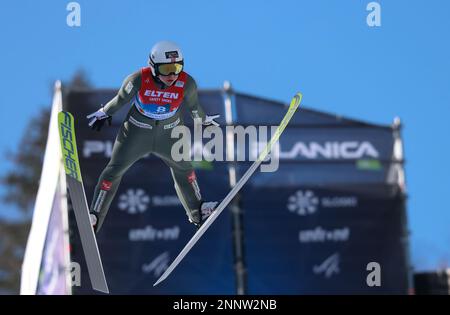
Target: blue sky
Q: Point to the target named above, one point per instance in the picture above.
(266, 48)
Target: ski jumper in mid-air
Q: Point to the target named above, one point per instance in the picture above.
(157, 94)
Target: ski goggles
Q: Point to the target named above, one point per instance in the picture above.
(169, 68)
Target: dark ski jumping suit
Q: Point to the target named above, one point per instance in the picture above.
(155, 111)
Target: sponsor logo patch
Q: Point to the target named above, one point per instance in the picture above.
(173, 124)
(158, 265)
(134, 201)
(192, 177)
(100, 199)
(328, 267)
(106, 185)
(195, 114)
(331, 150)
(321, 235)
(149, 233)
(159, 94)
(172, 54)
(139, 124)
(196, 190)
(305, 202)
(129, 87)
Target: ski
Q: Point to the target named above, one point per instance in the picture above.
(295, 102)
(75, 184)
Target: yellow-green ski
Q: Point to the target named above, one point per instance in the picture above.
(69, 145)
(75, 184)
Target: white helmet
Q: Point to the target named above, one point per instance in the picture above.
(165, 52)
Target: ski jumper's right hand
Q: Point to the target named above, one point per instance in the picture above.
(98, 119)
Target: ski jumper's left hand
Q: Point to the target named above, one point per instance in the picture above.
(98, 119)
(209, 120)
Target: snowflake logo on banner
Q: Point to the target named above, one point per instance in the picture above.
(303, 202)
(134, 201)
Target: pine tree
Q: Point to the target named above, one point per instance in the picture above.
(21, 183)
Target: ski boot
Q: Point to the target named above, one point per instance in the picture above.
(206, 209)
(94, 221)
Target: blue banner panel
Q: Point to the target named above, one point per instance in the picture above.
(310, 240)
(332, 211)
(256, 110)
